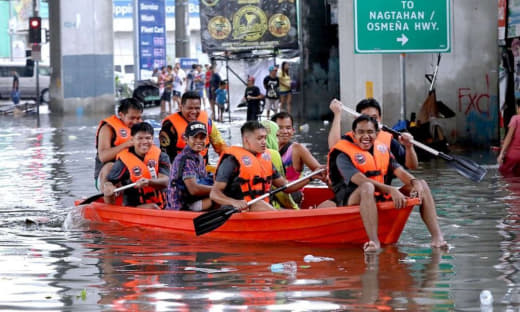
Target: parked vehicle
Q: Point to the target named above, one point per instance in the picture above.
(27, 81)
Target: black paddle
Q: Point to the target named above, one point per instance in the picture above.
(95, 197)
(211, 220)
(465, 166)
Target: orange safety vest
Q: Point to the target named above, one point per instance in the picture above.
(382, 136)
(374, 166)
(180, 123)
(121, 131)
(139, 169)
(255, 172)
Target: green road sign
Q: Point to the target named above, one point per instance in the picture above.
(401, 26)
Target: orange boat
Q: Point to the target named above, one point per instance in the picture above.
(326, 225)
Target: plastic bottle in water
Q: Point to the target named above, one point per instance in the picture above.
(486, 298)
(311, 258)
(289, 267)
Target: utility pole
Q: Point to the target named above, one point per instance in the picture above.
(36, 13)
(182, 37)
(135, 22)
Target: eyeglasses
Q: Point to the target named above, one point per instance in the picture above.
(363, 132)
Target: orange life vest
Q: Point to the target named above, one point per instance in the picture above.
(255, 172)
(180, 123)
(121, 131)
(139, 169)
(373, 166)
(382, 136)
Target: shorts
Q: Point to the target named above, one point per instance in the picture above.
(221, 104)
(272, 104)
(284, 92)
(176, 93)
(167, 95)
(196, 206)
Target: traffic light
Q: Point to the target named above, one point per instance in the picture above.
(35, 29)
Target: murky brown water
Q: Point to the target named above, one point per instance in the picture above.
(109, 268)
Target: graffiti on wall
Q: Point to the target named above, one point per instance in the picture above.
(479, 109)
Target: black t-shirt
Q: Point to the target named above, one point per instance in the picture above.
(271, 86)
(252, 91)
(227, 172)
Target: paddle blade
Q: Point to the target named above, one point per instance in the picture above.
(468, 168)
(91, 199)
(211, 220)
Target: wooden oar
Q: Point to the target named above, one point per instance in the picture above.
(95, 197)
(211, 220)
(465, 166)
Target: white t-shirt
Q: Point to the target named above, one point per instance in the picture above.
(178, 81)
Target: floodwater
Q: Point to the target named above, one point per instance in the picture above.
(46, 266)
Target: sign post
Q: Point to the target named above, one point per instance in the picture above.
(402, 26)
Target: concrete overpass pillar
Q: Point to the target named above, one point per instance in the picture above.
(82, 57)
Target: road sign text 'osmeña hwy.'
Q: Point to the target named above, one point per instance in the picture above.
(402, 26)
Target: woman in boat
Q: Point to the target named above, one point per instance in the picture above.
(244, 173)
(358, 167)
(280, 199)
(509, 157)
(190, 185)
(143, 164)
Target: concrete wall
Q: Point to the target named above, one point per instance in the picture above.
(466, 82)
(81, 56)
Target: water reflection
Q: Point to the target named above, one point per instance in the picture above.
(208, 275)
(42, 267)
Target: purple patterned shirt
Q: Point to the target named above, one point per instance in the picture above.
(193, 167)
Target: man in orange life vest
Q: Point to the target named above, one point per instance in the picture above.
(244, 173)
(144, 164)
(402, 148)
(358, 167)
(173, 126)
(113, 136)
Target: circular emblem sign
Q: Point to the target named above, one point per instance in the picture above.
(249, 23)
(219, 27)
(279, 25)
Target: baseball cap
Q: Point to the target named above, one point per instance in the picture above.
(251, 78)
(271, 68)
(194, 128)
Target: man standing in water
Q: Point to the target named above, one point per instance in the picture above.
(113, 136)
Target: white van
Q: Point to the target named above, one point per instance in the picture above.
(27, 81)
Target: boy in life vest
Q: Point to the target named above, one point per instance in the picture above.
(144, 164)
(358, 166)
(244, 173)
(190, 185)
(173, 126)
(113, 136)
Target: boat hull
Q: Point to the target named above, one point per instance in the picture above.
(325, 225)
